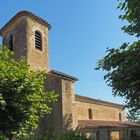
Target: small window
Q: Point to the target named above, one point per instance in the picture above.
(120, 117)
(90, 113)
(38, 40)
(133, 133)
(98, 135)
(11, 43)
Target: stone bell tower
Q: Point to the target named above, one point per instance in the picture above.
(27, 35)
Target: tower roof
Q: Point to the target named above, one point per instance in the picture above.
(63, 75)
(28, 14)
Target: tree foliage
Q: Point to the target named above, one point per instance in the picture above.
(70, 135)
(133, 116)
(22, 97)
(131, 15)
(123, 64)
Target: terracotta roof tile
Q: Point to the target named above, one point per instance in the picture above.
(25, 13)
(98, 123)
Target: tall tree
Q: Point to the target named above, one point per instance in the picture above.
(133, 116)
(22, 97)
(123, 64)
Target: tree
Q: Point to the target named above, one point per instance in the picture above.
(133, 116)
(123, 64)
(23, 99)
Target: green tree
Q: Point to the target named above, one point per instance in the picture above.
(133, 116)
(22, 97)
(123, 64)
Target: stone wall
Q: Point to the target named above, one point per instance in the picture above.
(36, 58)
(68, 105)
(23, 31)
(100, 112)
(62, 117)
(19, 32)
(53, 122)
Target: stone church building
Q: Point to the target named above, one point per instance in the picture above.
(27, 35)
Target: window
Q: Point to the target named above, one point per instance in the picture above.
(120, 117)
(133, 133)
(98, 135)
(38, 40)
(11, 43)
(90, 113)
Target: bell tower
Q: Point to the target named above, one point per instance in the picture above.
(27, 35)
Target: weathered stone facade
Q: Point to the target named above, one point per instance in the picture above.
(98, 119)
(19, 32)
(23, 31)
(37, 59)
(101, 110)
(62, 117)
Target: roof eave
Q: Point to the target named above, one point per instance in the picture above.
(85, 99)
(63, 75)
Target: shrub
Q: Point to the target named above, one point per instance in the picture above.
(2, 137)
(71, 135)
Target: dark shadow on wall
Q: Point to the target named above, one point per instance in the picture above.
(67, 122)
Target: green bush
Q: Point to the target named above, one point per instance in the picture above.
(72, 135)
(2, 137)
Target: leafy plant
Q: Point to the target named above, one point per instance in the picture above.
(22, 97)
(133, 116)
(123, 64)
(72, 135)
(2, 137)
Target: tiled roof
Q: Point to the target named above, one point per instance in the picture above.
(98, 123)
(97, 101)
(28, 14)
(63, 75)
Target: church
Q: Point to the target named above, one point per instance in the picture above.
(26, 35)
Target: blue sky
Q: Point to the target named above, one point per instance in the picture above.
(81, 32)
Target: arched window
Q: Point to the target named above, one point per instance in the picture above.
(11, 43)
(90, 113)
(120, 117)
(38, 40)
